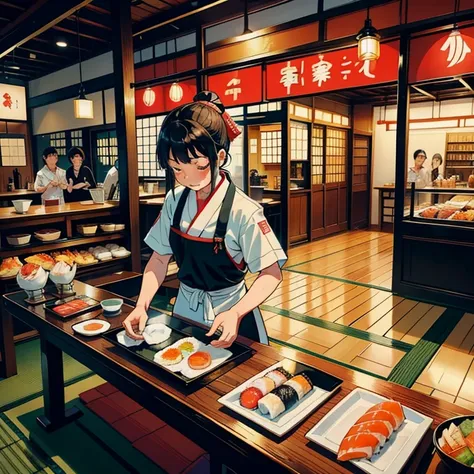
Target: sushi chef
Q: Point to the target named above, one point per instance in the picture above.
(51, 180)
(215, 232)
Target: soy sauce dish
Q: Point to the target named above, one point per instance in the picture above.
(112, 305)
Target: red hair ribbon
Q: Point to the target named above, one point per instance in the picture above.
(232, 129)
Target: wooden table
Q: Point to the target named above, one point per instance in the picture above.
(17, 194)
(197, 414)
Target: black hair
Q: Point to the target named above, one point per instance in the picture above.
(439, 157)
(417, 152)
(75, 150)
(50, 150)
(191, 129)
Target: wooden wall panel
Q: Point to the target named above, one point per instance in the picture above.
(362, 118)
(145, 73)
(422, 9)
(383, 16)
(27, 172)
(331, 106)
(278, 41)
(317, 218)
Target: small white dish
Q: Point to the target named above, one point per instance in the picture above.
(156, 333)
(19, 239)
(126, 341)
(81, 327)
(107, 227)
(37, 283)
(21, 205)
(330, 432)
(112, 305)
(48, 235)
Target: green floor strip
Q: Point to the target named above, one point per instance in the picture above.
(20, 455)
(342, 280)
(340, 328)
(27, 384)
(407, 371)
(306, 351)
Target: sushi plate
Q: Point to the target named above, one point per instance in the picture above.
(331, 430)
(324, 387)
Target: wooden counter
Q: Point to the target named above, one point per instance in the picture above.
(18, 194)
(196, 412)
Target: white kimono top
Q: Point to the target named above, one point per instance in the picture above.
(44, 177)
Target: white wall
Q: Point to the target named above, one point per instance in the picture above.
(92, 68)
(432, 141)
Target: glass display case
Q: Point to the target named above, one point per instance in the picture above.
(453, 206)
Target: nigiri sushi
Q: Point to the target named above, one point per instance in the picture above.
(359, 446)
(277, 401)
(381, 428)
(301, 383)
(380, 415)
(264, 384)
(395, 408)
(249, 398)
(279, 376)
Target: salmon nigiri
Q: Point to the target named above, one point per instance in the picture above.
(379, 415)
(359, 446)
(381, 428)
(395, 408)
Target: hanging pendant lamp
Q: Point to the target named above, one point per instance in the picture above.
(83, 107)
(369, 41)
(176, 91)
(247, 30)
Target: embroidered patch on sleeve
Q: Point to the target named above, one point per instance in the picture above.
(264, 227)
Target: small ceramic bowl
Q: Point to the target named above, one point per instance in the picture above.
(107, 227)
(112, 305)
(22, 205)
(19, 239)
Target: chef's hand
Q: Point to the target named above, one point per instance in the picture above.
(135, 323)
(229, 322)
(53, 184)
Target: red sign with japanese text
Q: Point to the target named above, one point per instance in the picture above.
(156, 100)
(335, 70)
(441, 55)
(243, 86)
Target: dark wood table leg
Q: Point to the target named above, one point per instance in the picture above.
(381, 203)
(7, 344)
(55, 413)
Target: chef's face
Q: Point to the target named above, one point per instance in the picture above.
(77, 161)
(420, 159)
(51, 160)
(195, 175)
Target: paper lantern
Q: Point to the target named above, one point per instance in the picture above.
(369, 42)
(176, 92)
(149, 97)
(83, 108)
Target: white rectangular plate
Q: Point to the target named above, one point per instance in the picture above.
(330, 431)
(287, 420)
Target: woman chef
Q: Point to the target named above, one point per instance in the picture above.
(214, 231)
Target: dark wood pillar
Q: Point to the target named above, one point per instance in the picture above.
(122, 48)
(200, 52)
(403, 117)
(285, 175)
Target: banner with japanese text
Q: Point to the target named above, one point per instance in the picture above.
(441, 55)
(156, 100)
(331, 71)
(239, 87)
(12, 102)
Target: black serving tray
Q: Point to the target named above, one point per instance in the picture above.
(145, 353)
(92, 305)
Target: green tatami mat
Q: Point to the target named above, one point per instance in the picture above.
(27, 384)
(89, 445)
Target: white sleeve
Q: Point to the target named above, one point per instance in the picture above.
(39, 181)
(260, 247)
(158, 236)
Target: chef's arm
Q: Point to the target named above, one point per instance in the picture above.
(265, 284)
(153, 277)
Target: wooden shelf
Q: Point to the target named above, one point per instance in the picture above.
(460, 167)
(49, 246)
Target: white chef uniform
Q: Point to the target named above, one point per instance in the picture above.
(44, 177)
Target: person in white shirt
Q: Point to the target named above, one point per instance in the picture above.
(418, 174)
(51, 180)
(215, 232)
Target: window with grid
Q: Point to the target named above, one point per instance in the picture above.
(13, 151)
(148, 130)
(299, 141)
(58, 140)
(76, 138)
(336, 152)
(361, 161)
(317, 155)
(262, 108)
(270, 144)
(107, 149)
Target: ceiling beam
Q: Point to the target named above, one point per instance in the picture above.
(46, 14)
(82, 34)
(425, 93)
(465, 84)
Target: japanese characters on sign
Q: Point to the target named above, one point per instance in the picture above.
(243, 86)
(442, 55)
(156, 100)
(13, 102)
(331, 71)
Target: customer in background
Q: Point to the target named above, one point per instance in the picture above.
(418, 174)
(51, 180)
(79, 177)
(436, 163)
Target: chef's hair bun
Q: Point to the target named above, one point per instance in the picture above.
(212, 98)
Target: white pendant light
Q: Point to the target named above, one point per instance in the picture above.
(83, 107)
(149, 97)
(176, 92)
(369, 41)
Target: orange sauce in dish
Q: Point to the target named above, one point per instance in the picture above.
(171, 354)
(93, 326)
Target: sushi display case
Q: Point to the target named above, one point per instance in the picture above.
(282, 396)
(198, 362)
